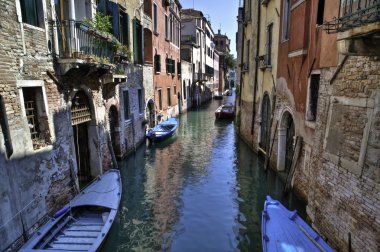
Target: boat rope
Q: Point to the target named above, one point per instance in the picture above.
(19, 212)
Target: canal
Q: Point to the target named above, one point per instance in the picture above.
(201, 190)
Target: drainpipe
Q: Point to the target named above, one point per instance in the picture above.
(19, 19)
(257, 66)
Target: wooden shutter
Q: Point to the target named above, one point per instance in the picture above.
(135, 47)
(114, 12)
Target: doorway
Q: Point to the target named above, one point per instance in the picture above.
(113, 118)
(80, 120)
(265, 123)
(286, 133)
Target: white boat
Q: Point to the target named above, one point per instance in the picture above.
(83, 224)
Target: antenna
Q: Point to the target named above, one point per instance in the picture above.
(193, 4)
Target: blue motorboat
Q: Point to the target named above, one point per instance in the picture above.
(163, 130)
(284, 230)
(83, 224)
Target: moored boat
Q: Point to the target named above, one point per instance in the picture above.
(163, 130)
(83, 224)
(226, 111)
(218, 96)
(284, 230)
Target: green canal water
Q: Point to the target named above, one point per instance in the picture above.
(201, 190)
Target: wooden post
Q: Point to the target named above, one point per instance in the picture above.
(296, 153)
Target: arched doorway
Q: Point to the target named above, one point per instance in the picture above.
(286, 134)
(81, 116)
(150, 113)
(113, 117)
(265, 123)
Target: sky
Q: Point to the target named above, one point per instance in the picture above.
(221, 13)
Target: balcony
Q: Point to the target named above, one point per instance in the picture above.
(79, 44)
(188, 40)
(358, 27)
(265, 62)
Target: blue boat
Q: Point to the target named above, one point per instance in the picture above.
(284, 230)
(163, 130)
(83, 224)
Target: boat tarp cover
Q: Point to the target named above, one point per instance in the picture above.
(102, 192)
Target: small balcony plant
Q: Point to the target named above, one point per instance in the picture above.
(122, 53)
(100, 23)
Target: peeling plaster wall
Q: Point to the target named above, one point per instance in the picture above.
(33, 183)
(133, 130)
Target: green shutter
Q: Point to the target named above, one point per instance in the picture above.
(135, 47)
(29, 12)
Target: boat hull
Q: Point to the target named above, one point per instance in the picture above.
(81, 225)
(158, 134)
(284, 230)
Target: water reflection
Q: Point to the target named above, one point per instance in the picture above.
(202, 190)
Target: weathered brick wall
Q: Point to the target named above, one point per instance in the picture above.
(344, 198)
(134, 129)
(246, 122)
(30, 179)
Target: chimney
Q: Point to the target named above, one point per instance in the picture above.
(218, 31)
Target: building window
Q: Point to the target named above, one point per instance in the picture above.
(36, 115)
(246, 65)
(321, 9)
(313, 90)
(127, 113)
(286, 20)
(169, 98)
(160, 99)
(268, 55)
(5, 128)
(179, 67)
(184, 90)
(154, 18)
(138, 42)
(166, 28)
(157, 63)
(171, 28)
(170, 66)
(175, 90)
(32, 12)
(124, 28)
(141, 101)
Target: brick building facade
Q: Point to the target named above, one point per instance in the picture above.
(165, 46)
(67, 98)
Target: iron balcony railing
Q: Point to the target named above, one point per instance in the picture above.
(78, 41)
(354, 13)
